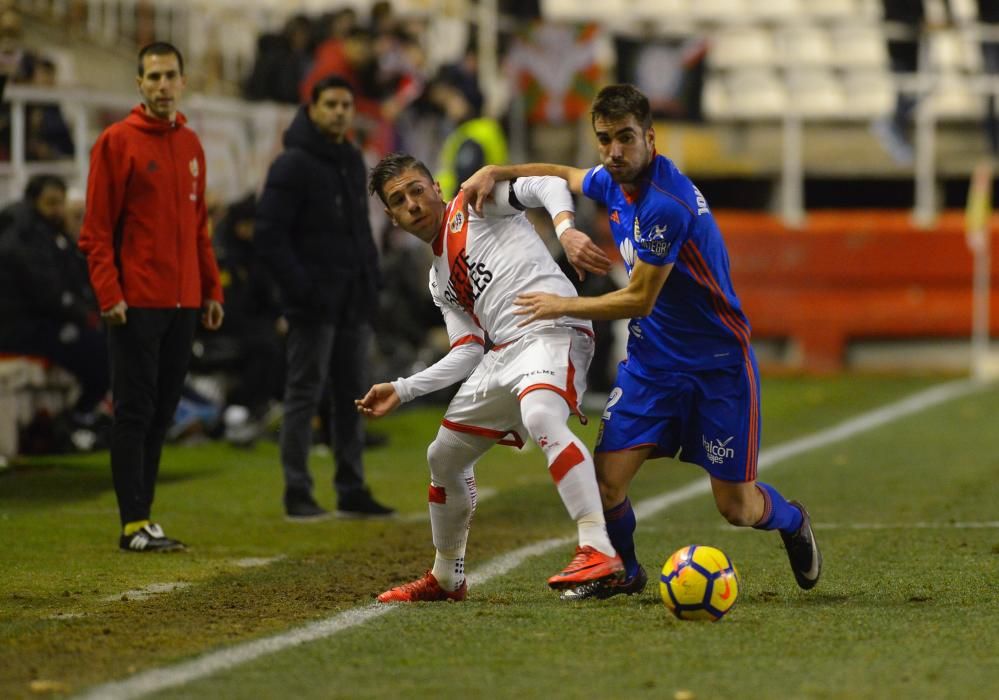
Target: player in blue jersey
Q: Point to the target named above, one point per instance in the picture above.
(689, 386)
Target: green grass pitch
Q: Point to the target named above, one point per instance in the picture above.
(907, 515)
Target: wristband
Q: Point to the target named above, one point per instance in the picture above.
(563, 227)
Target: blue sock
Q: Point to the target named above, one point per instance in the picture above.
(621, 530)
(778, 514)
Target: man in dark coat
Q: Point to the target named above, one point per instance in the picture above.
(312, 230)
(46, 304)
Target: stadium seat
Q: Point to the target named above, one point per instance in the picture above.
(829, 9)
(952, 98)
(858, 45)
(739, 47)
(951, 51)
(719, 11)
(867, 93)
(714, 98)
(776, 11)
(755, 93)
(804, 45)
(582, 10)
(815, 92)
(670, 14)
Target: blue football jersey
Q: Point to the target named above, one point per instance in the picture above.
(697, 321)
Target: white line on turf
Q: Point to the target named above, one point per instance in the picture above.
(155, 680)
(981, 525)
(985, 525)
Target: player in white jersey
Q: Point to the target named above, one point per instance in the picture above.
(529, 382)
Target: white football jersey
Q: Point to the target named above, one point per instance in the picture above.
(480, 266)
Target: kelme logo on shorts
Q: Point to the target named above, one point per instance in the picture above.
(717, 450)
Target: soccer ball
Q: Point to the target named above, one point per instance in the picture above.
(699, 583)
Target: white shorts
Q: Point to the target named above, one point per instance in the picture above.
(488, 403)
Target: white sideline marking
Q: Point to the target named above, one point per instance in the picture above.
(155, 680)
(981, 525)
(988, 524)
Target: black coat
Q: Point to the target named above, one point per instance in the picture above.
(43, 276)
(312, 228)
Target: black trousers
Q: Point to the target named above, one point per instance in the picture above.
(149, 359)
(318, 352)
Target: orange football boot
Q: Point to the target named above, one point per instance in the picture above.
(425, 588)
(588, 565)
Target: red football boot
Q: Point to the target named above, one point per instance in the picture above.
(425, 588)
(588, 565)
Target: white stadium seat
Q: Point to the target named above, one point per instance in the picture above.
(830, 9)
(868, 93)
(950, 51)
(755, 93)
(583, 10)
(777, 11)
(804, 45)
(714, 98)
(953, 98)
(741, 47)
(719, 11)
(856, 45)
(815, 92)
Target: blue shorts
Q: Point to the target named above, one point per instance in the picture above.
(710, 417)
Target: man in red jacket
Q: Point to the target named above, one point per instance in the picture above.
(145, 235)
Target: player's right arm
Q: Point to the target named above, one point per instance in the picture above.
(480, 185)
(109, 171)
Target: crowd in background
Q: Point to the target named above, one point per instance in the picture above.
(439, 114)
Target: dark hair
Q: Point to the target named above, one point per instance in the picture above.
(38, 183)
(616, 102)
(330, 81)
(391, 166)
(159, 48)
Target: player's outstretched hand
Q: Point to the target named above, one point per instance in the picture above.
(380, 400)
(584, 255)
(478, 188)
(538, 306)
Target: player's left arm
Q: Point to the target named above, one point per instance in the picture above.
(637, 299)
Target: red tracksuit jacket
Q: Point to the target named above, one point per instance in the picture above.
(145, 231)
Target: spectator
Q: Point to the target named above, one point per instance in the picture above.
(47, 136)
(281, 62)
(988, 18)
(474, 140)
(145, 234)
(46, 303)
(312, 229)
(250, 348)
(348, 57)
(904, 24)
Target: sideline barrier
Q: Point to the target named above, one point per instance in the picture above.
(853, 275)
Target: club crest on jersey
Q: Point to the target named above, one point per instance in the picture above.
(457, 221)
(194, 167)
(655, 242)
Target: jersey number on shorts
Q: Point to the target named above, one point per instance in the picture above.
(615, 396)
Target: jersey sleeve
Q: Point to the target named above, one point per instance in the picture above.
(461, 329)
(660, 234)
(595, 184)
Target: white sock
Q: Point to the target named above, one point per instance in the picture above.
(570, 464)
(449, 569)
(452, 500)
